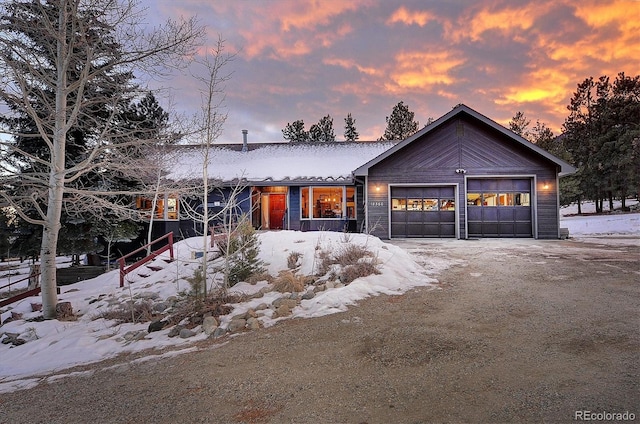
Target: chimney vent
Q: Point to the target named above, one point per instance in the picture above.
(245, 145)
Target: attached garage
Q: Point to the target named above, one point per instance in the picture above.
(499, 207)
(463, 176)
(423, 212)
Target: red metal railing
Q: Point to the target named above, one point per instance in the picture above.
(20, 296)
(124, 270)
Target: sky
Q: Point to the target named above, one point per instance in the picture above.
(306, 59)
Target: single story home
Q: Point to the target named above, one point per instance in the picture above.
(463, 176)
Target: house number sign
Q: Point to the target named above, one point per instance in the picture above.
(376, 203)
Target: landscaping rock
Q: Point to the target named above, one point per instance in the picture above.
(282, 301)
(175, 331)
(219, 332)
(161, 307)
(156, 326)
(237, 324)
(309, 294)
(36, 307)
(185, 333)
(132, 336)
(253, 323)
(209, 325)
(149, 295)
(282, 311)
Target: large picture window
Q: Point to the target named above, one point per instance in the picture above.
(328, 203)
(166, 207)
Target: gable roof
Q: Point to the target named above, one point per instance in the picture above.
(461, 109)
(271, 163)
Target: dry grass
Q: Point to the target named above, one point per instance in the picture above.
(292, 259)
(138, 312)
(358, 270)
(289, 282)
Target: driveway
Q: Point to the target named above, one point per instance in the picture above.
(517, 331)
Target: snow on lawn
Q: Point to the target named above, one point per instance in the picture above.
(608, 224)
(53, 345)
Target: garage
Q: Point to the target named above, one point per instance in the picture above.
(423, 211)
(499, 207)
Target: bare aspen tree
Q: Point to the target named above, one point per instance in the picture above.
(212, 116)
(52, 53)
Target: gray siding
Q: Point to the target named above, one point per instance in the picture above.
(462, 143)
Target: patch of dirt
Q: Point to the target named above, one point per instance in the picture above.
(516, 331)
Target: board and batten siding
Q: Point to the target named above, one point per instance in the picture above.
(462, 144)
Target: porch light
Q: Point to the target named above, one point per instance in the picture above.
(545, 186)
(377, 187)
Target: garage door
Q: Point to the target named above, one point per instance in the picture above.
(423, 212)
(499, 208)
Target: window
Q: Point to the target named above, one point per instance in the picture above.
(498, 199)
(327, 202)
(166, 207)
(418, 204)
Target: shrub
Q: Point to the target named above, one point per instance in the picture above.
(242, 253)
(358, 270)
(288, 281)
(131, 312)
(292, 259)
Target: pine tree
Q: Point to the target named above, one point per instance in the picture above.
(323, 130)
(519, 124)
(400, 124)
(350, 133)
(295, 132)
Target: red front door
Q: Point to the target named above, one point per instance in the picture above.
(277, 206)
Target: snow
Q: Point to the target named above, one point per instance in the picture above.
(304, 161)
(53, 346)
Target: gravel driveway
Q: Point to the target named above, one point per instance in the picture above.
(518, 331)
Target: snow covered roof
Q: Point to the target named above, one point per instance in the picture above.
(277, 162)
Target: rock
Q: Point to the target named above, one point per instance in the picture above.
(251, 313)
(160, 307)
(148, 295)
(175, 331)
(209, 325)
(219, 332)
(329, 285)
(132, 336)
(282, 311)
(156, 326)
(237, 324)
(185, 333)
(36, 307)
(309, 294)
(15, 316)
(261, 307)
(253, 323)
(64, 310)
(319, 288)
(290, 303)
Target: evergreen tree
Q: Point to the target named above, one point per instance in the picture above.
(601, 134)
(350, 133)
(400, 124)
(323, 130)
(519, 124)
(295, 132)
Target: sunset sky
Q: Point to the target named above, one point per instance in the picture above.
(306, 59)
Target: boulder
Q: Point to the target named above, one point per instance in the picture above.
(209, 325)
(64, 310)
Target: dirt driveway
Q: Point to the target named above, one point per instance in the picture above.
(518, 331)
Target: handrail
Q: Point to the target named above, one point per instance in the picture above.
(122, 261)
(23, 295)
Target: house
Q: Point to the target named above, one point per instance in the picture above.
(463, 176)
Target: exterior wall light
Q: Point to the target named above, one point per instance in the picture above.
(377, 187)
(545, 186)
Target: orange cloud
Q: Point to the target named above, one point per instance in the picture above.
(404, 16)
(424, 70)
(538, 86)
(350, 63)
(508, 21)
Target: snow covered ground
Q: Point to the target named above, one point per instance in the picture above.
(53, 346)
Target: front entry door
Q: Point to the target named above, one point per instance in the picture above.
(277, 207)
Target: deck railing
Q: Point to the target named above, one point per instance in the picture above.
(124, 270)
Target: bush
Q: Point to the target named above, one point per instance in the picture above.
(292, 259)
(358, 270)
(242, 253)
(289, 282)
